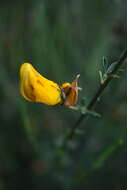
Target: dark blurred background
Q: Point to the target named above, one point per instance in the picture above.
(62, 38)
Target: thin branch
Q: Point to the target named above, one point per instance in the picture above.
(97, 95)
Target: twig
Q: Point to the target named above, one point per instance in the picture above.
(97, 95)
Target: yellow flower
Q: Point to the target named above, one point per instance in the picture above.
(36, 88)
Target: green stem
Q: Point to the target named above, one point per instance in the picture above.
(97, 95)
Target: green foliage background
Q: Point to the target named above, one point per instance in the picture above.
(61, 39)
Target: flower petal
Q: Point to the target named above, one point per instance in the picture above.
(36, 88)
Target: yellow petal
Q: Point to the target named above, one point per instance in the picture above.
(66, 85)
(36, 88)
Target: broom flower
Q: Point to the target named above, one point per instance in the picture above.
(36, 88)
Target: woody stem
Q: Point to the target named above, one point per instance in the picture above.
(98, 93)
